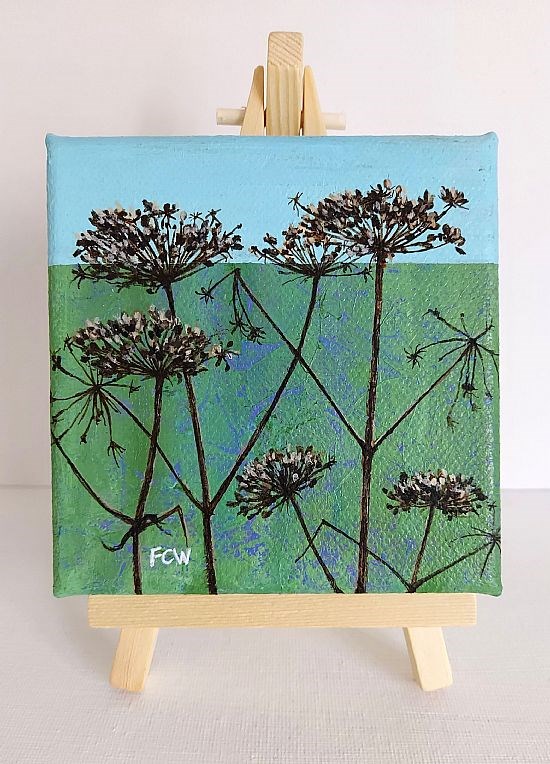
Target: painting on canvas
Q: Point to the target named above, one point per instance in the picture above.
(274, 365)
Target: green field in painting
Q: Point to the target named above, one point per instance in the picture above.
(259, 556)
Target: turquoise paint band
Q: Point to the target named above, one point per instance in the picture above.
(251, 180)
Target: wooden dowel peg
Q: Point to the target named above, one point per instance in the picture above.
(234, 118)
(231, 117)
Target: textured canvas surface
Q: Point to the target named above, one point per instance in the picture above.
(274, 364)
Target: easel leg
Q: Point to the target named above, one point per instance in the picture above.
(133, 658)
(428, 656)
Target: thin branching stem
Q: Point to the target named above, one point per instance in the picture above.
(368, 450)
(207, 509)
(297, 354)
(419, 557)
(184, 487)
(146, 483)
(85, 484)
(169, 291)
(325, 524)
(177, 510)
(311, 545)
(274, 401)
(421, 581)
(419, 400)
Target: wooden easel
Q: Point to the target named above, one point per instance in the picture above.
(291, 107)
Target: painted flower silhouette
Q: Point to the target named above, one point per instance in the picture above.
(278, 478)
(452, 197)
(91, 403)
(381, 223)
(470, 354)
(154, 247)
(491, 539)
(307, 257)
(153, 345)
(453, 495)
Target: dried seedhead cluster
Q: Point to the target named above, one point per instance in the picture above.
(277, 478)
(304, 257)
(344, 231)
(454, 495)
(153, 247)
(153, 345)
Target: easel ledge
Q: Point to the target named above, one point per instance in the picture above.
(282, 610)
(286, 105)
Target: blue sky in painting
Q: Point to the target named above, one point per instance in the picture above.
(251, 180)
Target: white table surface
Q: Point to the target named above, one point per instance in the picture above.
(271, 695)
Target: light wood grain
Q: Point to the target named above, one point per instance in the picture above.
(428, 656)
(313, 121)
(133, 658)
(285, 54)
(235, 118)
(254, 116)
(285, 610)
(230, 117)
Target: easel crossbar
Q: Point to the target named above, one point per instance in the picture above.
(282, 610)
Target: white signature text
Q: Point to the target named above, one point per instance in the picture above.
(168, 556)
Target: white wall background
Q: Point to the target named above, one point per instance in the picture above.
(162, 67)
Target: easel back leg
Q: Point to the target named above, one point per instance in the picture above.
(133, 658)
(428, 656)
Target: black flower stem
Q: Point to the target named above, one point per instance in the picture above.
(275, 400)
(87, 486)
(421, 581)
(422, 549)
(184, 487)
(170, 297)
(177, 510)
(146, 483)
(207, 508)
(368, 450)
(325, 524)
(420, 398)
(311, 545)
(302, 361)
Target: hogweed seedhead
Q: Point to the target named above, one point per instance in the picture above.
(223, 353)
(154, 247)
(93, 401)
(453, 495)
(378, 224)
(470, 354)
(152, 345)
(278, 478)
(307, 258)
(452, 197)
(491, 539)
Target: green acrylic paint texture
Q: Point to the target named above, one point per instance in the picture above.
(312, 412)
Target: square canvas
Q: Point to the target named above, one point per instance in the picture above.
(274, 364)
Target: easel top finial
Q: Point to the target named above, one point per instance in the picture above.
(285, 102)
